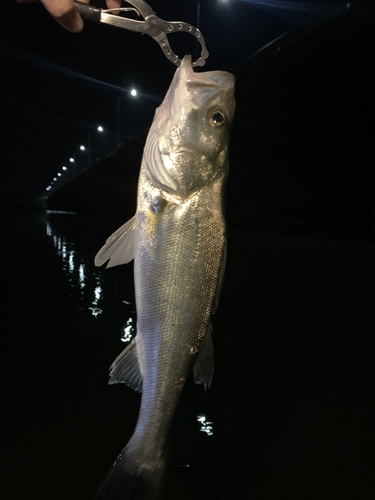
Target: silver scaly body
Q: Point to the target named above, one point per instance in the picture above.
(177, 239)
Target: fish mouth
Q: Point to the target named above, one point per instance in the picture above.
(208, 79)
(188, 85)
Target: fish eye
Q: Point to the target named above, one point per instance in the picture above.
(217, 118)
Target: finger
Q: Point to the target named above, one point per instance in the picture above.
(113, 4)
(65, 12)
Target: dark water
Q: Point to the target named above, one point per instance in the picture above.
(289, 414)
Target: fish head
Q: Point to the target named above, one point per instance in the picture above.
(187, 146)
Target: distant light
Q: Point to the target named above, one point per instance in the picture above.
(71, 160)
(64, 168)
(55, 179)
(100, 128)
(59, 174)
(133, 92)
(82, 148)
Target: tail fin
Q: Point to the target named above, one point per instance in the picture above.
(129, 481)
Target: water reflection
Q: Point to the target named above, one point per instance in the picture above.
(95, 310)
(84, 279)
(128, 331)
(206, 427)
(94, 291)
(204, 419)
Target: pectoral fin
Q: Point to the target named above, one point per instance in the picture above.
(203, 368)
(120, 246)
(126, 370)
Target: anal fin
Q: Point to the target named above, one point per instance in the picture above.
(126, 370)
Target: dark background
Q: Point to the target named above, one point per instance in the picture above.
(292, 397)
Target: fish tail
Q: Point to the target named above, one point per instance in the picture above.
(128, 480)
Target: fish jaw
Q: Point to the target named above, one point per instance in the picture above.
(184, 149)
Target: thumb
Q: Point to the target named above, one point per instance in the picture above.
(64, 11)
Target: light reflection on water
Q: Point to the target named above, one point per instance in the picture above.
(129, 331)
(86, 282)
(206, 427)
(84, 279)
(95, 310)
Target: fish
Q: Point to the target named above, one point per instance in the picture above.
(177, 239)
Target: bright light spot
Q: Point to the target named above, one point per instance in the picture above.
(63, 250)
(100, 128)
(208, 430)
(95, 311)
(81, 275)
(128, 331)
(133, 92)
(205, 426)
(97, 294)
(82, 148)
(71, 261)
(55, 178)
(59, 174)
(64, 168)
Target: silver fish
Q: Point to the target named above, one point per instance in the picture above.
(178, 240)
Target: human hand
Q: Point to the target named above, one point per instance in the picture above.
(65, 12)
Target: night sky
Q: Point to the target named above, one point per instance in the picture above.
(57, 87)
